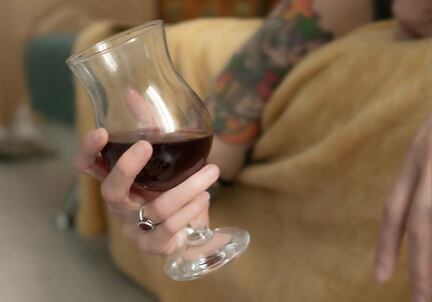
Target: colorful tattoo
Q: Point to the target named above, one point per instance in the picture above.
(252, 74)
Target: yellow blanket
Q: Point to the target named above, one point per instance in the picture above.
(334, 135)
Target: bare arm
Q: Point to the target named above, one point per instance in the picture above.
(242, 89)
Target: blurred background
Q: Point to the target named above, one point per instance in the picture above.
(41, 257)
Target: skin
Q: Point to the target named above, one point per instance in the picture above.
(189, 201)
(414, 18)
(235, 102)
(174, 209)
(408, 209)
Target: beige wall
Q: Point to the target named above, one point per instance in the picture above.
(21, 19)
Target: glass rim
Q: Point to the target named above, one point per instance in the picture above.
(86, 54)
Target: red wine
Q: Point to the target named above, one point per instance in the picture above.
(176, 156)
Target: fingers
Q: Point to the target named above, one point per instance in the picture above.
(394, 219)
(87, 159)
(117, 184)
(169, 235)
(184, 216)
(171, 201)
(419, 237)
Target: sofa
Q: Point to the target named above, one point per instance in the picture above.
(333, 138)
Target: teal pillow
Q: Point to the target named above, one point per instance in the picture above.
(48, 78)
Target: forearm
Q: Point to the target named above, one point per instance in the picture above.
(248, 80)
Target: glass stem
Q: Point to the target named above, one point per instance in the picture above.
(198, 235)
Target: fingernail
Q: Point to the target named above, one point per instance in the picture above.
(139, 149)
(211, 171)
(95, 136)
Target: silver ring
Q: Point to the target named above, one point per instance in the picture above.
(145, 224)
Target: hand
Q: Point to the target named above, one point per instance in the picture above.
(414, 18)
(173, 209)
(408, 210)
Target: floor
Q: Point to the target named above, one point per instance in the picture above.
(38, 261)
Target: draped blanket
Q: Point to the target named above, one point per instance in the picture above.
(334, 135)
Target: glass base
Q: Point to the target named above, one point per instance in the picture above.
(225, 245)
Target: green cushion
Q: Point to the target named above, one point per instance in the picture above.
(48, 77)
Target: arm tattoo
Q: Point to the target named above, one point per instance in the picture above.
(248, 80)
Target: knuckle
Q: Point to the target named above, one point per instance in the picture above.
(170, 228)
(108, 193)
(156, 211)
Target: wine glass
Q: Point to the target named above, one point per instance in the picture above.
(137, 94)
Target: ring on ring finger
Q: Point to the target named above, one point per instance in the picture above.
(146, 224)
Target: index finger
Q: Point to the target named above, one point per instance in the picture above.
(118, 183)
(87, 158)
